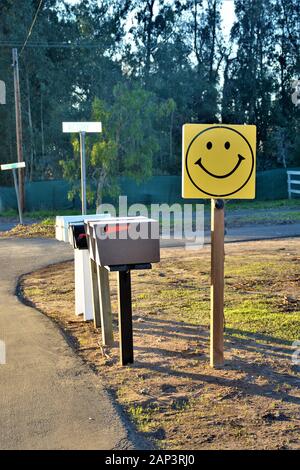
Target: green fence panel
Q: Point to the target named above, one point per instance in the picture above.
(272, 184)
(48, 195)
(40, 195)
(53, 195)
(157, 189)
(7, 199)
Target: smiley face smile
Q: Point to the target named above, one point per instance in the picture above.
(200, 164)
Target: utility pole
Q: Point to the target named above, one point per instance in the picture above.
(15, 65)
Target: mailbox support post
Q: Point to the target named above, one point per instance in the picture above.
(125, 317)
(217, 284)
(95, 294)
(83, 285)
(105, 306)
(78, 269)
(18, 195)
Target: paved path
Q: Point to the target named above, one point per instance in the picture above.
(49, 399)
(246, 233)
(7, 223)
(5, 226)
(262, 232)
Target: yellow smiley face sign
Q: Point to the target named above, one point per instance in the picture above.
(218, 161)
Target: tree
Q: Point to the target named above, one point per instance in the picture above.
(168, 57)
(126, 147)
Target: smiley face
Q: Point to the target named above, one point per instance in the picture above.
(219, 161)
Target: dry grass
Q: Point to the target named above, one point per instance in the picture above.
(44, 229)
(170, 392)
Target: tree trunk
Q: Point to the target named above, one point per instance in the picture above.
(171, 137)
(31, 133)
(149, 26)
(212, 52)
(42, 126)
(195, 31)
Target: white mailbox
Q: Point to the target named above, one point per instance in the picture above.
(63, 223)
(83, 289)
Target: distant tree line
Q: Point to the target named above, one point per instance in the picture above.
(144, 68)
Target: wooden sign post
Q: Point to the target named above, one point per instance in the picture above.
(217, 284)
(19, 132)
(218, 162)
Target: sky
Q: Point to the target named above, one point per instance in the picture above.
(228, 14)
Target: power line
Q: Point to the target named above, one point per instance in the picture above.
(32, 26)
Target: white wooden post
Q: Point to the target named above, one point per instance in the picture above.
(291, 181)
(78, 285)
(83, 285)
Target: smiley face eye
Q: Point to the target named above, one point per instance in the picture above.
(209, 145)
(227, 145)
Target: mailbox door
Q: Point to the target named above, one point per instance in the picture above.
(79, 237)
(90, 240)
(118, 251)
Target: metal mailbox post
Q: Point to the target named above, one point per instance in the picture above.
(82, 128)
(83, 278)
(123, 244)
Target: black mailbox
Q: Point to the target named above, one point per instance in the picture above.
(79, 236)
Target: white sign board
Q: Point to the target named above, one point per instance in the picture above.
(82, 127)
(13, 166)
(2, 92)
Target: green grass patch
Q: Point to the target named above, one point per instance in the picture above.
(258, 318)
(142, 417)
(273, 217)
(231, 205)
(255, 204)
(43, 214)
(255, 298)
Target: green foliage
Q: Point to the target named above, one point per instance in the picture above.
(133, 117)
(125, 148)
(144, 68)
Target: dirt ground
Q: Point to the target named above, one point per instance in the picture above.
(170, 392)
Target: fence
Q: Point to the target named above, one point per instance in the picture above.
(53, 195)
(291, 182)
